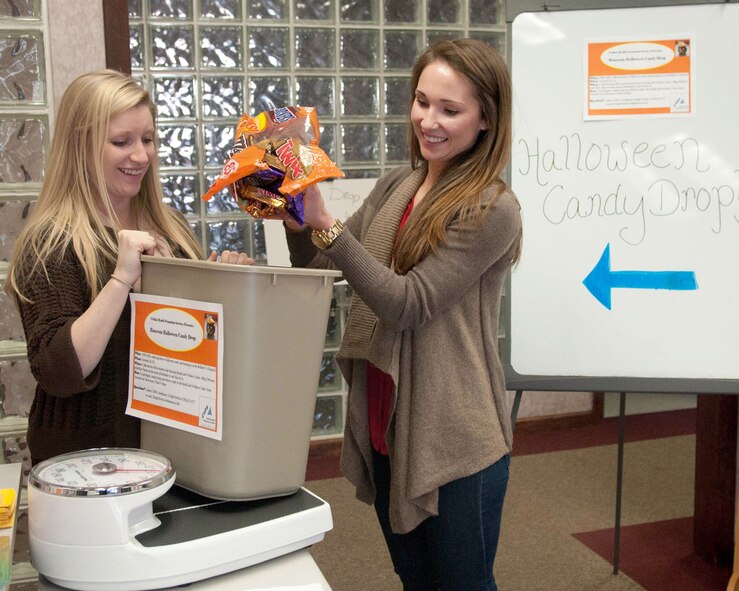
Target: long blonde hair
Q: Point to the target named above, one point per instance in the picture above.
(459, 190)
(66, 213)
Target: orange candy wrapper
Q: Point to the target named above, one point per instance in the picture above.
(274, 159)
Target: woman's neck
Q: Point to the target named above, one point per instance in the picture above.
(128, 224)
(422, 191)
(435, 168)
(124, 214)
(432, 176)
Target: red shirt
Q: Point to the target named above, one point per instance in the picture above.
(380, 388)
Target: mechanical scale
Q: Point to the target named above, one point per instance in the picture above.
(110, 519)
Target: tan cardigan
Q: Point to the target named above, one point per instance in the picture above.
(435, 331)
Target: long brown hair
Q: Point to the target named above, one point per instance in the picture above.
(66, 213)
(459, 190)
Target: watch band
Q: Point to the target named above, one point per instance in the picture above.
(325, 238)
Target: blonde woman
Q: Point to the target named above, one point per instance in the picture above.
(78, 257)
(428, 431)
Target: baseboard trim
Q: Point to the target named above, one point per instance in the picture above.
(563, 421)
(324, 459)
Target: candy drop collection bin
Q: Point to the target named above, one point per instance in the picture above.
(273, 331)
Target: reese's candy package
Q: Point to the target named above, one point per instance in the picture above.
(275, 157)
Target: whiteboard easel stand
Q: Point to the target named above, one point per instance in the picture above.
(734, 581)
(619, 478)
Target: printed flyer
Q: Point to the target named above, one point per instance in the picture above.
(638, 78)
(176, 363)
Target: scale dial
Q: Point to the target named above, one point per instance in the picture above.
(101, 471)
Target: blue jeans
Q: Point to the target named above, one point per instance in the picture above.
(455, 550)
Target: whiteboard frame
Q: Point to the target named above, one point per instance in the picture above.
(517, 381)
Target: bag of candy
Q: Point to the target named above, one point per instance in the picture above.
(275, 157)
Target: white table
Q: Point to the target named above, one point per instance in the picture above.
(291, 571)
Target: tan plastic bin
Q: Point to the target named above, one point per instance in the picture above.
(273, 333)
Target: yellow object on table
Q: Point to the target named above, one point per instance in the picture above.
(7, 507)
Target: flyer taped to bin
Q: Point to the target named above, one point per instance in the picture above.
(176, 364)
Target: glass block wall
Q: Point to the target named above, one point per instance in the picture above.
(24, 131)
(24, 140)
(208, 61)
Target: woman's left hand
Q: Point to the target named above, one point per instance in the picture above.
(232, 257)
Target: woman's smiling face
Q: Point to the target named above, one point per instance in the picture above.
(129, 151)
(446, 114)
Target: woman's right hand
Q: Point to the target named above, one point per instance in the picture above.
(91, 331)
(317, 215)
(131, 245)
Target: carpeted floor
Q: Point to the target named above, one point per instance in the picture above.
(558, 519)
(659, 556)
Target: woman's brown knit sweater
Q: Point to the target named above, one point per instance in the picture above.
(70, 412)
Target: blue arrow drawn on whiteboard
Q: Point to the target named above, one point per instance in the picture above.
(601, 280)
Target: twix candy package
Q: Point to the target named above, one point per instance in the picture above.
(275, 157)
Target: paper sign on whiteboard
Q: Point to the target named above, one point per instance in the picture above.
(176, 363)
(637, 78)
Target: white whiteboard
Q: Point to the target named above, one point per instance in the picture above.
(560, 165)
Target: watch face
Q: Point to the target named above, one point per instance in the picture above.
(102, 471)
(325, 238)
(318, 239)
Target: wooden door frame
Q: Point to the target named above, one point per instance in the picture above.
(117, 36)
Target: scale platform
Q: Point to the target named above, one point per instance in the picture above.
(187, 516)
(197, 538)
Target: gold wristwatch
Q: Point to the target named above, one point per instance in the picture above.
(325, 238)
